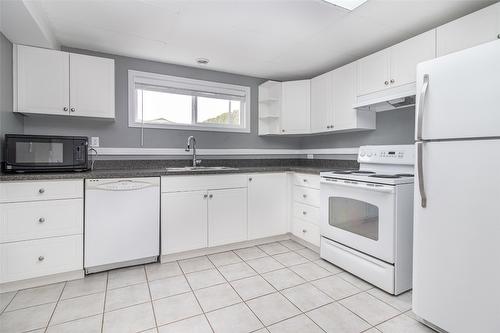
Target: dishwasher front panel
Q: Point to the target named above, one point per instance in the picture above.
(122, 222)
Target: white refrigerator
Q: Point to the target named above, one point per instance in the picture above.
(456, 273)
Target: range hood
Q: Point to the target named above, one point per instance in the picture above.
(390, 99)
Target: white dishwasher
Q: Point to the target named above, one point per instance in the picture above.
(122, 222)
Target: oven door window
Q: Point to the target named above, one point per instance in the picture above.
(358, 217)
(39, 153)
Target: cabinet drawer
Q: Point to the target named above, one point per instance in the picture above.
(306, 212)
(302, 179)
(200, 183)
(40, 190)
(306, 195)
(306, 230)
(35, 258)
(39, 219)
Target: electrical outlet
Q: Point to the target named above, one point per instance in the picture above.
(310, 156)
(94, 141)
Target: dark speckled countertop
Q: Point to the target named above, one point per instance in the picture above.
(156, 168)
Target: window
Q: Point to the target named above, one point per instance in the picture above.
(170, 102)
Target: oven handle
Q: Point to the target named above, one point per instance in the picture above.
(357, 185)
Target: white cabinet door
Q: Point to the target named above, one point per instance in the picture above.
(322, 103)
(296, 106)
(183, 221)
(344, 96)
(92, 86)
(227, 216)
(41, 80)
(268, 198)
(406, 55)
(373, 72)
(468, 31)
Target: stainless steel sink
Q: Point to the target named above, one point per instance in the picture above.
(200, 168)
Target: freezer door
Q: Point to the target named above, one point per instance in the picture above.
(456, 260)
(458, 95)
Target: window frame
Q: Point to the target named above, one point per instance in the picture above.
(205, 88)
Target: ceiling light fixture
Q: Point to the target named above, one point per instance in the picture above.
(202, 61)
(347, 4)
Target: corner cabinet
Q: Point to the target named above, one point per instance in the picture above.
(295, 107)
(60, 83)
(268, 200)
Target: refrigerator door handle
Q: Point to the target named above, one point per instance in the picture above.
(421, 102)
(420, 174)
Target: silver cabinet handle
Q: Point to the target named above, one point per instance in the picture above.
(72, 109)
(210, 196)
(392, 80)
(304, 231)
(420, 174)
(65, 108)
(41, 219)
(304, 180)
(421, 102)
(498, 36)
(41, 191)
(41, 258)
(386, 83)
(283, 130)
(304, 213)
(205, 196)
(304, 196)
(250, 179)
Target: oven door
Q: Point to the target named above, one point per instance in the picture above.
(39, 153)
(359, 215)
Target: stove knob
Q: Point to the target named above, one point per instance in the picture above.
(362, 154)
(369, 154)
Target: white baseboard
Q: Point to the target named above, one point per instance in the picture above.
(41, 281)
(104, 151)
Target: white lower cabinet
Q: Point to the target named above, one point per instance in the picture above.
(267, 205)
(227, 216)
(41, 257)
(184, 221)
(41, 230)
(213, 214)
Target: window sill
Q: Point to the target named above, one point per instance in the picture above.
(192, 128)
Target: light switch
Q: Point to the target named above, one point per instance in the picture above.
(94, 141)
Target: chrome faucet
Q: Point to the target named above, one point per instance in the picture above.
(191, 144)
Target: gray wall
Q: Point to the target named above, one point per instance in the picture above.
(9, 122)
(118, 134)
(393, 127)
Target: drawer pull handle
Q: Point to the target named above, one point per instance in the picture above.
(210, 196)
(304, 196)
(41, 258)
(41, 191)
(41, 219)
(304, 180)
(304, 231)
(304, 213)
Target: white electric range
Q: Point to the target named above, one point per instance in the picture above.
(367, 217)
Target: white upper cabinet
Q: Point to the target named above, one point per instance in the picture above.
(92, 86)
(406, 55)
(345, 117)
(395, 66)
(468, 31)
(374, 72)
(268, 198)
(41, 80)
(322, 103)
(61, 83)
(296, 105)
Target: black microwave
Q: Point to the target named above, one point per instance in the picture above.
(40, 153)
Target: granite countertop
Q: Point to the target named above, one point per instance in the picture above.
(128, 169)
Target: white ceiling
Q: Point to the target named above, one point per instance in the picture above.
(277, 39)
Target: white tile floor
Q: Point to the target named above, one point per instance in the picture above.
(277, 287)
